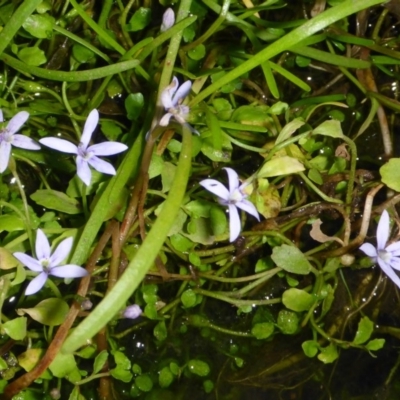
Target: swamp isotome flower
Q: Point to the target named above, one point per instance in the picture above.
(234, 198)
(48, 264)
(388, 257)
(8, 138)
(171, 98)
(88, 155)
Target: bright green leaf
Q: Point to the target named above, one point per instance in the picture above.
(297, 299)
(39, 26)
(51, 311)
(15, 328)
(55, 200)
(291, 259)
(280, 166)
(262, 330)
(198, 367)
(364, 330)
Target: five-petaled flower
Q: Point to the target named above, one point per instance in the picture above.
(9, 137)
(172, 98)
(88, 155)
(388, 257)
(234, 198)
(49, 264)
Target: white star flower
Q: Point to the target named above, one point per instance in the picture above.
(388, 257)
(88, 155)
(9, 137)
(172, 98)
(234, 198)
(48, 264)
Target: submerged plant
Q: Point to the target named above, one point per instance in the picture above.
(9, 137)
(234, 198)
(48, 263)
(387, 256)
(88, 155)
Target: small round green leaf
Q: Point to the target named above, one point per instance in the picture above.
(188, 298)
(364, 331)
(288, 322)
(291, 259)
(144, 383)
(198, 367)
(390, 173)
(310, 348)
(165, 377)
(32, 56)
(262, 330)
(297, 299)
(39, 26)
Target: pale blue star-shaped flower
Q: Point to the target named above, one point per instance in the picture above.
(234, 198)
(388, 257)
(9, 137)
(88, 155)
(47, 263)
(172, 98)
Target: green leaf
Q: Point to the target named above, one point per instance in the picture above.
(288, 130)
(198, 52)
(39, 26)
(165, 377)
(262, 330)
(29, 359)
(390, 173)
(7, 261)
(32, 56)
(310, 348)
(134, 103)
(139, 20)
(218, 220)
(62, 365)
(160, 331)
(144, 383)
(198, 367)
(81, 53)
(11, 223)
(121, 359)
(99, 361)
(15, 328)
(375, 344)
(288, 322)
(328, 354)
(50, 311)
(364, 330)
(331, 128)
(121, 374)
(280, 166)
(297, 299)
(188, 298)
(55, 200)
(291, 259)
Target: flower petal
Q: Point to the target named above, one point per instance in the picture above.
(102, 166)
(107, 148)
(42, 246)
(5, 150)
(394, 248)
(1, 116)
(395, 263)
(168, 92)
(216, 188)
(369, 250)
(17, 121)
(60, 144)
(234, 223)
(83, 170)
(182, 92)
(69, 271)
(383, 230)
(29, 262)
(24, 142)
(61, 252)
(233, 179)
(90, 126)
(389, 272)
(164, 121)
(36, 284)
(249, 207)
